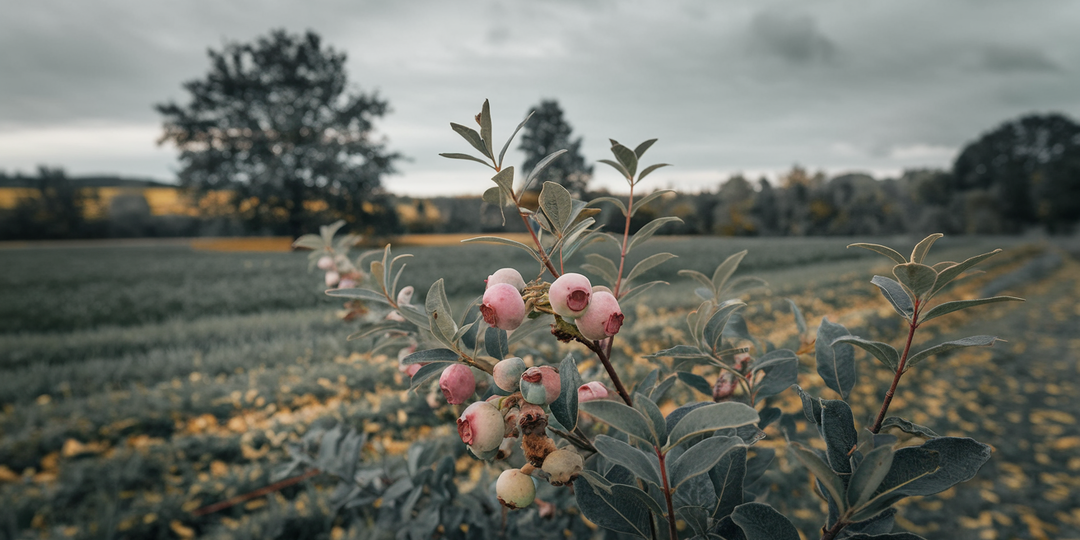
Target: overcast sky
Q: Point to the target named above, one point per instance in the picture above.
(726, 86)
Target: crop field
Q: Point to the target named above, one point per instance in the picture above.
(138, 384)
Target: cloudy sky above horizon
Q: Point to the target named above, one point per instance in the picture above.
(727, 87)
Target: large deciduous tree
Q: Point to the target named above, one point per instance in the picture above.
(546, 132)
(275, 122)
(1030, 167)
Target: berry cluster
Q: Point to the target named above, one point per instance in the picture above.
(491, 428)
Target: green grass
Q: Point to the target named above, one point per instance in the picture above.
(132, 349)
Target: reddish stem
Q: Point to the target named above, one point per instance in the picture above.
(625, 237)
(899, 370)
(672, 530)
(228, 503)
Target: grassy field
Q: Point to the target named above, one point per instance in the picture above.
(139, 383)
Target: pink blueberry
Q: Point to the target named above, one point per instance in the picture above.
(481, 426)
(503, 307)
(603, 319)
(457, 383)
(326, 262)
(592, 391)
(515, 489)
(506, 275)
(540, 385)
(332, 278)
(507, 373)
(346, 284)
(569, 295)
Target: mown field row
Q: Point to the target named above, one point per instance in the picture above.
(140, 383)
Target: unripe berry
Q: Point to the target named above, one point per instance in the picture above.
(506, 275)
(481, 427)
(326, 262)
(332, 278)
(507, 373)
(563, 466)
(404, 296)
(592, 391)
(569, 295)
(603, 319)
(503, 306)
(515, 489)
(457, 383)
(347, 284)
(540, 385)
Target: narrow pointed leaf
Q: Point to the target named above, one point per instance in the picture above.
(909, 427)
(629, 294)
(647, 264)
(540, 166)
(648, 170)
(713, 331)
(638, 204)
(650, 229)
(695, 381)
(640, 149)
(603, 267)
(697, 276)
(485, 127)
(884, 352)
(896, 295)
(473, 137)
(512, 135)
(617, 166)
(828, 478)
(919, 253)
(530, 326)
(951, 273)
(725, 269)
(565, 407)
(973, 341)
(431, 355)
(626, 158)
(800, 321)
(886, 251)
(557, 205)
(838, 430)
(619, 204)
(949, 307)
(918, 278)
(356, 292)
(427, 372)
(811, 405)
(869, 475)
(651, 412)
(439, 314)
(781, 369)
(835, 363)
(454, 155)
(505, 242)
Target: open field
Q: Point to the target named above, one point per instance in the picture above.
(139, 383)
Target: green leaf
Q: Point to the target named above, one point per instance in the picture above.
(557, 205)
(648, 170)
(621, 513)
(886, 251)
(701, 458)
(309, 241)
(628, 294)
(711, 418)
(697, 276)
(618, 167)
(869, 475)
(800, 321)
(624, 491)
(909, 465)
(835, 363)
(647, 264)
(621, 417)
(884, 352)
(634, 459)
(896, 295)
(540, 166)
(529, 326)
(781, 369)
(512, 135)
(473, 137)
(725, 269)
(638, 204)
(505, 242)
(496, 344)
(811, 406)
(427, 372)
(388, 326)
(619, 204)
(431, 355)
(565, 407)
(362, 294)
(919, 253)
(949, 274)
(454, 155)
(960, 459)
(829, 479)
(485, 127)
(728, 476)
(649, 229)
(652, 413)
(414, 315)
(713, 330)
(973, 341)
(918, 278)
(949, 307)
(909, 427)
(760, 521)
(695, 381)
(626, 158)
(640, 149)
(603, 267)
(838, 430)
(438, 310)
(505, 179)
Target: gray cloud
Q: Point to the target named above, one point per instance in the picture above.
(795, 38)
(1010, 59)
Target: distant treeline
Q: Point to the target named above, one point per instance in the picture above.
(1024, 174)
